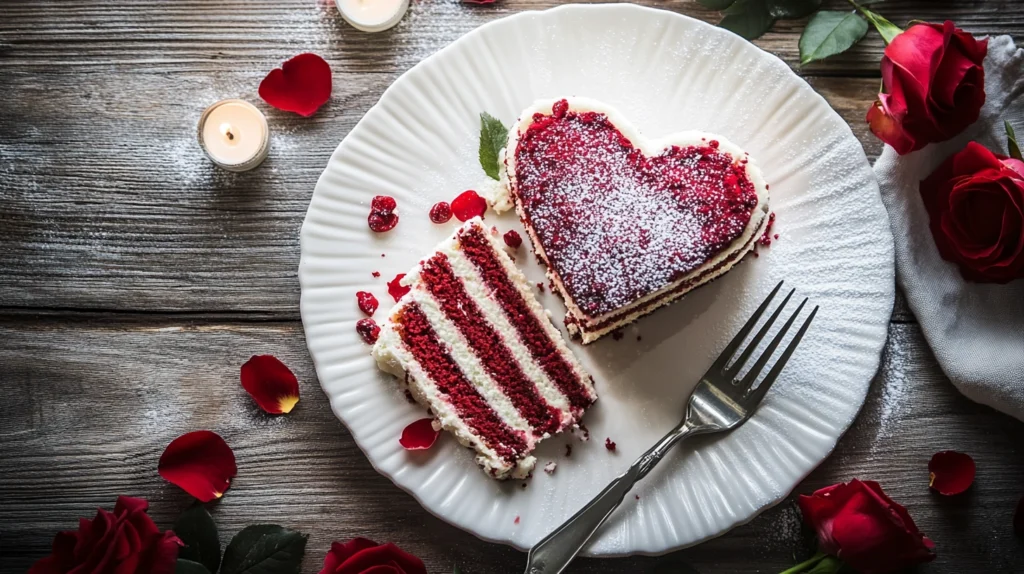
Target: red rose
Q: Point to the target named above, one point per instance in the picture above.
(359, 555)
(934, 86)
(975, 203)
(123, 542)
(864, 528)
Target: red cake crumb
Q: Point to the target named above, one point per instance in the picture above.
(382, 255)
(367, 302)
(568, 450)
(638, 497)
(608, 444)
(375, 274)
(766, 239)
(585, 431)
(516, 521)
(468, 205)
(618, 334)
(540, 287)
(512, 239)
(396, 289)
(368, 330)
(382, 214)
(441, 212)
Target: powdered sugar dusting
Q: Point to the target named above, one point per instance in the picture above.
(617, 225)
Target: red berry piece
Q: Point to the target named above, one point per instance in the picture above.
(367, 302)
(441, 212)
(375, 274)
(512, 239)
(608, 444)
(382, 214)
(368, 330)
(468, 205)
(396, 289)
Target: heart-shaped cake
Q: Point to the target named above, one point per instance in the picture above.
(625, 225)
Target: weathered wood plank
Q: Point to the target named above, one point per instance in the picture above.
(91, 402)
(193, 34)
(109, 204)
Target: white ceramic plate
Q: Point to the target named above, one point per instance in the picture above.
(667, 73)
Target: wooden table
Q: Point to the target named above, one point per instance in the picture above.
(135, 278)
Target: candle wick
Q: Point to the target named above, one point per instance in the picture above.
(225, 128)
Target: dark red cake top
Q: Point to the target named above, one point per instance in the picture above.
(615, 224)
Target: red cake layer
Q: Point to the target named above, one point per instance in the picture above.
(615, 224)
(476, 248)
(488, 345)
(421, 340)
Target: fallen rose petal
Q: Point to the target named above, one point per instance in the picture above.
(301, 85)
(419, 435)
(271, 384)
(1018, 518)
(468, 205)
(396, 289)
(200, 463)
(951, 472)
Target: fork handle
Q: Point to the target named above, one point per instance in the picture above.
(552, 554)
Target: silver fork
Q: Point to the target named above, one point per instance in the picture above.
(721, 402)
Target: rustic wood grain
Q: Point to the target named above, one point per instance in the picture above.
(81, 427)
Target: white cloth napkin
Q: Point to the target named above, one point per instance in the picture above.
(976, 330)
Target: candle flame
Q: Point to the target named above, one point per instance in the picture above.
(227, 130)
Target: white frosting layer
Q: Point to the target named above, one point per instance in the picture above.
(393, 357)
(578, 321)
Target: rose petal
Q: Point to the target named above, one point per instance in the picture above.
(200, 463)
(271, 384)
(396, 289)
(951, 472)
(468, 205)
(419, 435)
(300, 85)
(1018, 518)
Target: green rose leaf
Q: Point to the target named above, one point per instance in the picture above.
(830, 33)
(493, 136)
(792, 9)
(748, 18)
(1011, 141)
(264, 549)
(196, 529)
(183, 566)
(716, 4)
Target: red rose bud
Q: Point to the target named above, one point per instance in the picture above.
(367, 302)
(419, 435)
(359, 555)
(125, 540)
(300, 85)
(200, 463)
(271, 384)
(862, 526)
(975, 205)
(441, 212)
(368, 330)
(512, 239)
(382, 214)
(950, 472)
(396, 289)
(468, 205)
(934, 86)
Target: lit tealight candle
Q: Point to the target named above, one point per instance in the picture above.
(234, 134)
(372, 15)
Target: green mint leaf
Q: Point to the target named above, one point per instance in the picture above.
(828, 565)
(1011, 141)
(183, 566)
(196, 529)
(748, 18)
(493, 136)
(792, 9)
(830, 33)
(264, 549)
(716, 4)
(887, 29)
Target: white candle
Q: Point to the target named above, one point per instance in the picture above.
(372, 15)
(234, 134)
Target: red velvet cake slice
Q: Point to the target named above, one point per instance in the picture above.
(473, 345)
(625, 225)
